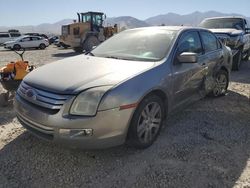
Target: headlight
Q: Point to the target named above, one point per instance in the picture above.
(86, 103)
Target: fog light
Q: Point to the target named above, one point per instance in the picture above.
(75, 133)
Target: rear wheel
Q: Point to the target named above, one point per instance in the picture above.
(42, 46)
(146, 123)
(17, 47)
(221, 84)
(237, 61)
(90, 42)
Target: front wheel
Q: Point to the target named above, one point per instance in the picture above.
(90, 42)
(221, 84)
(17, 47)
(146, 123)
(78, 49)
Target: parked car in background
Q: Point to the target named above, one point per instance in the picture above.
(235, 33)
(59, 44)
(53, 39)
(27, 42)
(37, 34)
(7, 36)
(123, 90)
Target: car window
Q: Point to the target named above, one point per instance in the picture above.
(210, 41)
(15, 34)
(25, 39)
(35, 38)
(236, 23)
(190, 42)
(4, 36)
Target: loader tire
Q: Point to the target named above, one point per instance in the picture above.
(90, 42)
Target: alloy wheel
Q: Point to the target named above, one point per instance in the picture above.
(149, 122)
(221, 83)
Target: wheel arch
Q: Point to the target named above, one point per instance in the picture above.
(158, 92)
(225, 69)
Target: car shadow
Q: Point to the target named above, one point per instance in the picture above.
(205, 145)
(243, 75)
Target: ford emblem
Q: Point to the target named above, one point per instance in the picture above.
(30, 93)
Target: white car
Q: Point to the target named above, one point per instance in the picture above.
(27, 42)
(6, 36)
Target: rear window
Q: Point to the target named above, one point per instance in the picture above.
(236, 23)
(4, 36)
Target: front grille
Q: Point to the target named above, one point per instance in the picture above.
(42, 98)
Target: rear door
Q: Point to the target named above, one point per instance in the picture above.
(35, 42)
(213, 55)
(188, 77)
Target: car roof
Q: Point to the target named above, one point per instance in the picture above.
(225, 17)
(24, 36)
(173, 28)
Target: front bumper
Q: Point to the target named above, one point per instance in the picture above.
(6, 47)
(109, 127)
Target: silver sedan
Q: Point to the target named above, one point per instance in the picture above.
(121, 91)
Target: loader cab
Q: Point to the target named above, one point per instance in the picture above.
(94, 18)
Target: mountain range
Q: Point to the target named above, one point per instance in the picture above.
(125, 22)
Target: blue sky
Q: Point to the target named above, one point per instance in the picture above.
(34, 12)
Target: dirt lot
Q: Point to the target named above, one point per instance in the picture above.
(205, 145)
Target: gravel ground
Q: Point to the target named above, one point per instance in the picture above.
(205, 145)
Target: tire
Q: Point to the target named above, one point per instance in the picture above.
(146, 123)
(42, 46)
(90, 42)
(17, 47)
(237, 61)
(78, 50)
(220, 85)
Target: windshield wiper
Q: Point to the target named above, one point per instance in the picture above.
(121, 58)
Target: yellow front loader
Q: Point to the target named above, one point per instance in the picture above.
(87, 32)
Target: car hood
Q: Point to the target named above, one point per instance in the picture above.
(10, 42)
(75, 74)
(228, 31)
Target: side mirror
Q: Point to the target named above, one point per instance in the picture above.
(187, 57)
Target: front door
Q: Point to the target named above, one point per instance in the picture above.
(188, 77)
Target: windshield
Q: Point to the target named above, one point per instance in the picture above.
(150, 44)
(235, 23)
(18, 38)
